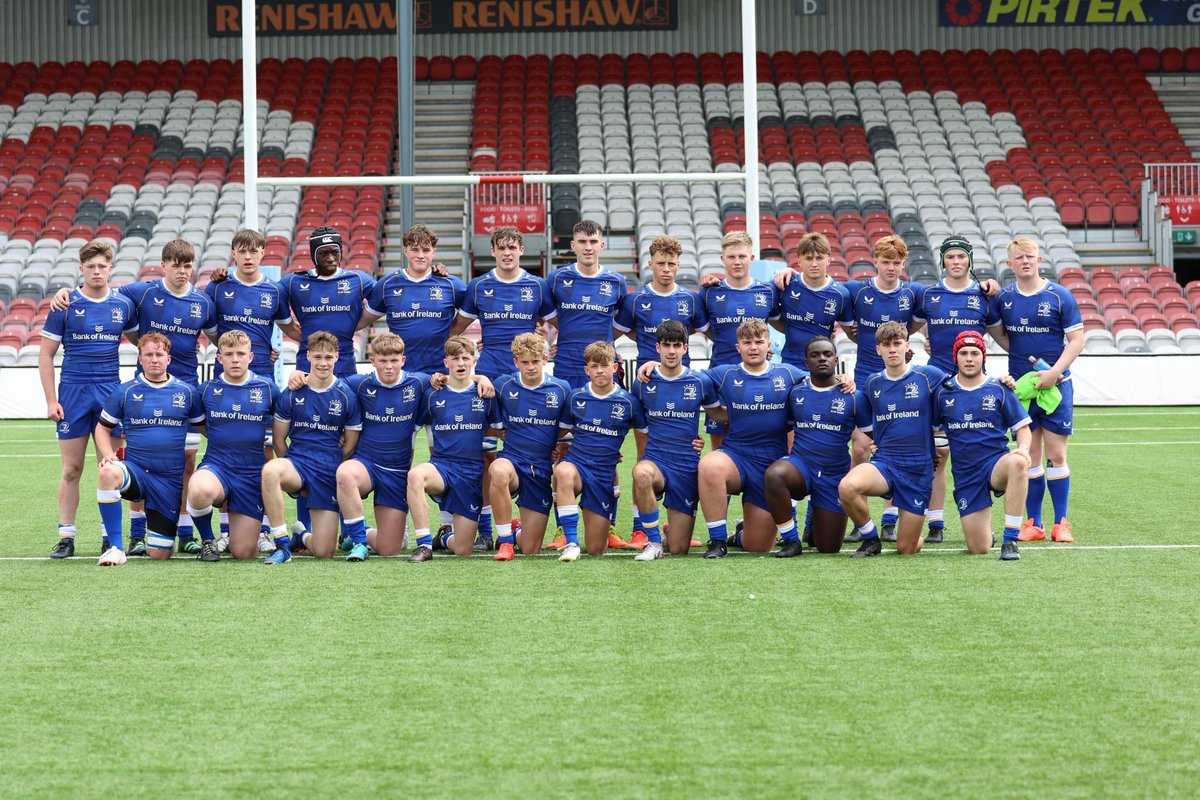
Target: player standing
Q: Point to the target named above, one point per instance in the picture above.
(823, 420)
(453, 476)
(419, 306)
(532, 407)
(391, 401)
(672, 401)
(1042, 331)
(900, 402)
(323, 421)
(811, 305)
(90, 335)
(237, 406)
(977, 413)
(155, 410)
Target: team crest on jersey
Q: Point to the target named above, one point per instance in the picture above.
(989, 402)
(682, 308)
(973, 303)
(617, 412)
(256, 396)
(343, 287)
(264, 300)
(760, 300)
(831, 306)
(335, 407)
(526, 294)
(1044, 309)
(689, 392)
(910, 390)
(197, 311)
(904, 303)
(408, 395)
(838, 406)
(777, 383)
(435, 293)
(606, 288)
(178, 400)
(117, 315)
(477, 404)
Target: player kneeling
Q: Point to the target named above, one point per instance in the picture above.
(155, 410)
(532, 407)
(672, 399)
(823, 420)
(977, 413)
(316, 428)
(601, 414)
(459, 420)
(391, 401)
(237, 407)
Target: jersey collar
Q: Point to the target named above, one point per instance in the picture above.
(1039, 290)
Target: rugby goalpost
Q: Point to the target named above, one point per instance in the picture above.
(749, 176)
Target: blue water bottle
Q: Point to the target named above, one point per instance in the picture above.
(1039, 363)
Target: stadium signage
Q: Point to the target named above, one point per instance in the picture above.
(985, 13)
(1183, 209)
(525, 217)
(355, 17)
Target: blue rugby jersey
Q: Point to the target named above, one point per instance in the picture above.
(156, 420)
(727, 308)
(644, 310)
(809, 312)
(419, 311)
(389, 416)
(460, 418)
(757, 406)
(902, 414)
(823, 420)
(977, 422)
(586, 307)
(1037, 324)
(317, 418)
(871, 308)
(235, 416)
(531, 417)
(600, 424)
(947, 312)
(252, 308)
(505, 309)
(332, 304)
(673, 407)
(90, 334)
(181, 318)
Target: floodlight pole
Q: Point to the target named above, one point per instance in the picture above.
(250, 112)
(750, 119)
(406, 107)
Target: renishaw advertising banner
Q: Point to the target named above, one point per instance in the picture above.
(983, 13)
(351, 17)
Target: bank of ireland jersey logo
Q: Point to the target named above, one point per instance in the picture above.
(910, 391)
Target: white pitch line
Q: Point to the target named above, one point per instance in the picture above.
(1078, 430)
(932, 551)
(1126, 444)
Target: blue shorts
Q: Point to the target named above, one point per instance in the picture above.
(597, 482)
(751, 470)
(162, 492)
(711, 426)
(242, 487)
(973, 490)
(1062, 419)
(680, 492)
(390, 486)
(82, 404)
(464, 487)
(822, 483)
(319, 479)
(533, 485)
(908, 487)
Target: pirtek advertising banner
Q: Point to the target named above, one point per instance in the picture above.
(984, 13)
(349, 17)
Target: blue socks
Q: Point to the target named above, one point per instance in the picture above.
(648, 524)
(717, 531)
(183, 528)
(868, 531)
(485, 521)
(1012, 527)
(109, 501)
(424, 538)
(788, 531)
(891, 516)
(612, 517)
(1037, 494)
(302, 512)
(504, 534)
(1058, 481)
(568, 517)
(356, 530)
(202, 517)
(637, 520)
(137, 524)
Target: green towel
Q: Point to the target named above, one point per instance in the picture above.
(1048, 399)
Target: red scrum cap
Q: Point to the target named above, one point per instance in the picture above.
(969, 339)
